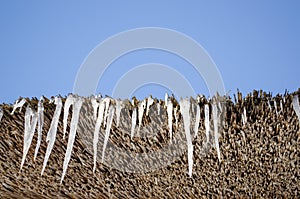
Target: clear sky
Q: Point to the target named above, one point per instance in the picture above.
(255, 44)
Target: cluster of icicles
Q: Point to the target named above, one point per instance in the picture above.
(103, 113)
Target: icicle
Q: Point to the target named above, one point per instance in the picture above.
(166, 99)
(18, 104)
(158, 108)
(51, 135)
(149, 103)
(216, 129)
(107, 102)
(244, 117)
(119, 106)
(30, 124)
(133, 122)
(1, 114)
(184, 109)
(207, 126)
(197, 120)
(170, 117)
(275, 105)
(40, 122)
(175, 116)
(95, 105)
(97, 129)
(69, 101)
(281, 106)
(108, 127)
(142, 106)
(296, 106)
(73, 128)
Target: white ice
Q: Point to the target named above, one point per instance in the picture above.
(40, 124)
(107, 131)
(197, 121)
(244, 117)
(30, 124)
(207, 126)
(119, 106)
(296, 106)
(73, 128)
(185, 111)
(275, 105)
(106, 100)
(18, 104)
(150, 101)
(158, 108)
(216, 129)
(51, 135)
(133, 122)
(142, 106)
(175, 116)
(170, 117)
(97, 129)
(69, 101)
(95, 105)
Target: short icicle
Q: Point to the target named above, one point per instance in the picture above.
(30, 124)
(40, 124)
(207, 126)
(170, 117)
(95, 106)
(119, 106)
(107, 131)
(296, 106)
(18, 104)
(216, 129)
(197, 120)
(97, 130)
(142, 107)
(185, 111)
(150, 101)
(74, 122)
(51, 135)
(133, 122)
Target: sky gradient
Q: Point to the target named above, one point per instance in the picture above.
(255, 44)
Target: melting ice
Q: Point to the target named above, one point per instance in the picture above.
(18, 104)
(40, 122)
(30, 124)
(207, 127)
(296, 106)
(185, 111)
(216, 129)
(108, 127)
(74, 122)
(51, 135)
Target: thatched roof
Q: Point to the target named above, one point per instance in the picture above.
(260, 158)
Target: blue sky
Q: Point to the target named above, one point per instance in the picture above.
(255, 44)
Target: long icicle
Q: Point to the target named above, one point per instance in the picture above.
(216, 129)
(108, 127)
(96, 132)
(74, 122)
(51, 135)
(185, 111)
(40, 123)
(30, 124)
